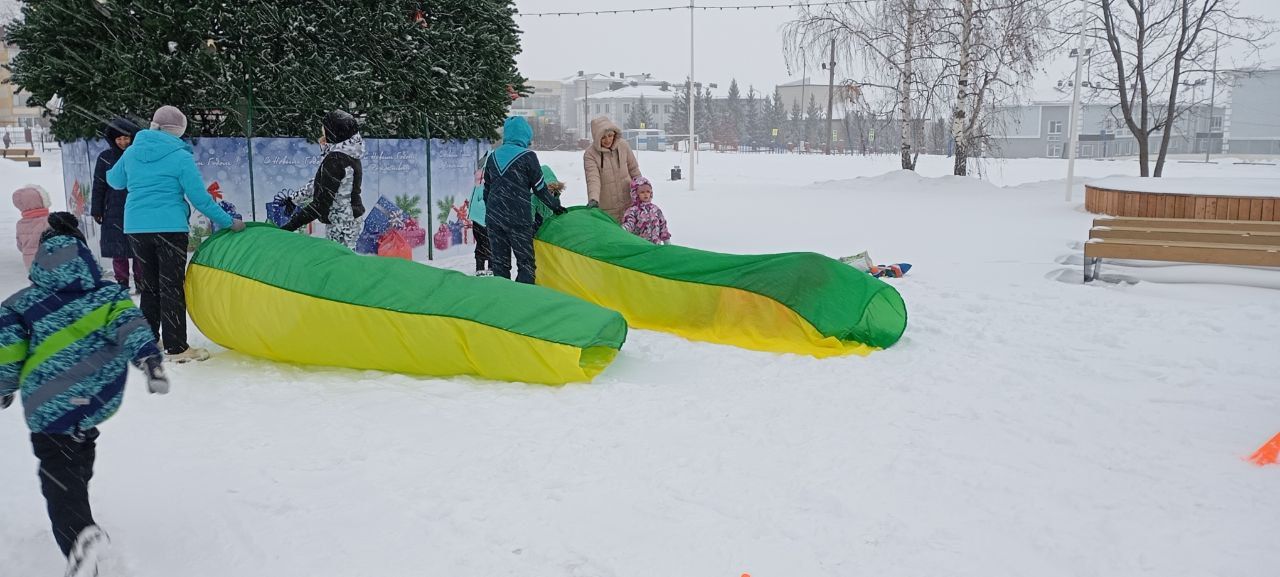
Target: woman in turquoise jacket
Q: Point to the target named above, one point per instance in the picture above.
(163, 181)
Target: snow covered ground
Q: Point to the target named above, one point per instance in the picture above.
(1025, 425)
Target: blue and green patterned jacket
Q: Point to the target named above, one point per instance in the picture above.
(67, 340)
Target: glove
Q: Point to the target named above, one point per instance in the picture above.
(5, 401)
(157, 381)
(357, 210)
(559, 210)
(237, 225)
(593, 203)
(288, 205)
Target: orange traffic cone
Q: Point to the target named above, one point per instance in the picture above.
(1267, 454)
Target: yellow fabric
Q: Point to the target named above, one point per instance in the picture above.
(695, 311)
(261, 320)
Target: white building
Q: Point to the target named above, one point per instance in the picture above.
(619, 104)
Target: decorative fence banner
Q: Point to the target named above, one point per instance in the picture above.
(409, 191)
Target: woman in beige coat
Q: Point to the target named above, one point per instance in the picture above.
(610, 166)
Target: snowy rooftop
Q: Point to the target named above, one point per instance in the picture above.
(633, 92)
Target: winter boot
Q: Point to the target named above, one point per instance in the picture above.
(88, 549)
(157, 380)
(191, 354)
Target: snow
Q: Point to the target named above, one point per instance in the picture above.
(1252, 187)
(1026, 424)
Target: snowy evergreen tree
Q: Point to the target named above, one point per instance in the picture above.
(680, 111)
(275, 67)
(753, 129)
(735, 118)
(641, 116)
(777, 120)
(704, 119)
(814, 123)
(795, 133)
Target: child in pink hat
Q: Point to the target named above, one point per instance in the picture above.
(33, 201)
(643, 218)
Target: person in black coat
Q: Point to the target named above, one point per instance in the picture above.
(108, 203)
(335, 190)
(512, 175)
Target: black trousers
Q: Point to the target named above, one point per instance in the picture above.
(162, 284)
(66, 466)
(482, 246)
(504, 240)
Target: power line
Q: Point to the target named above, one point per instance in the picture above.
(703, 8)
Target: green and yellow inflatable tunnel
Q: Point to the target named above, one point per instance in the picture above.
(801, 303)
(293, 298)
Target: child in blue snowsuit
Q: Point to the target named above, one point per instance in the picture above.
(66, 343)
(512, 177)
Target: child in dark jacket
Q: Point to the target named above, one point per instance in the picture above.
(512, 177)
(335, 192)
(66, 343)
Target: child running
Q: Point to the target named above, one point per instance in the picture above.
(66, 343)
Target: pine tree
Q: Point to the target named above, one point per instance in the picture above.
(633, 117)
(735, 118)
(814, 123)
(292, 61)
(755, 111)
(778, 119)
(646, 114)
(680, 112)
(704, 120)
(797, 124)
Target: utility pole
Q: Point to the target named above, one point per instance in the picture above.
(693, 136)
(1075, 109)
(831, 94)
(1213, 93)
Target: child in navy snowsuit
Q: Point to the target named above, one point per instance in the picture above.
(510, 175)
(66, 343)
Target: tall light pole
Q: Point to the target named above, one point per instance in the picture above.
(1075, 109)
(1213, 93)
(831, 94)
(693, 136)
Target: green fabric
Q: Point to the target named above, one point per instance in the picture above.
(323, 269)
(95, 320)
(13, 353)
(548, 177)
(838, 300)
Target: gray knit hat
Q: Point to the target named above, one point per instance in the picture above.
(170, 120)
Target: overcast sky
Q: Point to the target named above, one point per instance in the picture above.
(742, 44)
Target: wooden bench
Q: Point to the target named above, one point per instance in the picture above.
(1231, 242)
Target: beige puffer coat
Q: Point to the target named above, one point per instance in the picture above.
(610, 170)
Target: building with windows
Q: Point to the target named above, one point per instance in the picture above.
(1041, 129)
(619, 104)
(14, 112)
(1252, 118)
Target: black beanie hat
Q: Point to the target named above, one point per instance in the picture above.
(63, 224)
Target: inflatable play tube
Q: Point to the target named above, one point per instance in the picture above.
(293, 298)
(795, 303)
